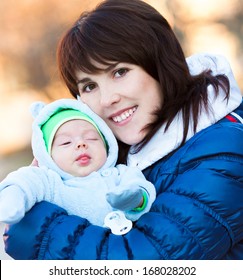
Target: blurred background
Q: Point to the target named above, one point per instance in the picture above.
(30, 30)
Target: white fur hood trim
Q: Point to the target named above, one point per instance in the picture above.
(164, 142)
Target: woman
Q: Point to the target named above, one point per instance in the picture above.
(178, 120)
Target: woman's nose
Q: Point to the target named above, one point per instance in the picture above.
(109, 97)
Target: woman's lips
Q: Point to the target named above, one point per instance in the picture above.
(123, 115)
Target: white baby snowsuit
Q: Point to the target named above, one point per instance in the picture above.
(83, 196)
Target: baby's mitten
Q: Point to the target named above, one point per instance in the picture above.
(12, 205)
(125, 199)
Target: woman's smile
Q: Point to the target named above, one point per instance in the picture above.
(124, 115)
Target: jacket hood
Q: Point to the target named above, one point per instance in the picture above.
(42, 112)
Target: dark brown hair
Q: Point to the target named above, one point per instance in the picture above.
(132, 31)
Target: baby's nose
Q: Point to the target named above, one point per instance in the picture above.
(82, 144)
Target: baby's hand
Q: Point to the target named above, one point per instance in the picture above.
(12, 205)
(125, 199)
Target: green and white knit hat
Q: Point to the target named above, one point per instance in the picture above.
(50, 127)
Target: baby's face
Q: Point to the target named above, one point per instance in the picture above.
(78, 149)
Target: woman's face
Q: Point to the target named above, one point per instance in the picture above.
(125, 96)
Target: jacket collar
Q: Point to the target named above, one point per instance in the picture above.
(163, 142)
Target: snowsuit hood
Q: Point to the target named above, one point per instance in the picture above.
(42, 112)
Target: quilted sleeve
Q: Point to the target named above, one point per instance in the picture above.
(198, 213)
(48, 233)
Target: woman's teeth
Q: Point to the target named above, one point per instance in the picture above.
(124, 115)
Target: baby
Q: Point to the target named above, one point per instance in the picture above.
(76, 154)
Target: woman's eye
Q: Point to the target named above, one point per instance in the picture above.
(120, 72)
(88, 88)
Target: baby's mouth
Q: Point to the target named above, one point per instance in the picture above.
(83, 159)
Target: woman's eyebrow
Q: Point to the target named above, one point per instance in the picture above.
(83, 81)
(109, 68)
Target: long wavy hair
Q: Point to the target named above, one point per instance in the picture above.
(132, 31)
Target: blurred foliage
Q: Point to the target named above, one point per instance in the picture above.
(30, 30)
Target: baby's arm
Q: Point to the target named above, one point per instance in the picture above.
(19, 191)
(134, 195)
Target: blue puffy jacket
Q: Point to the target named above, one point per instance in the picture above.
(198, 213)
